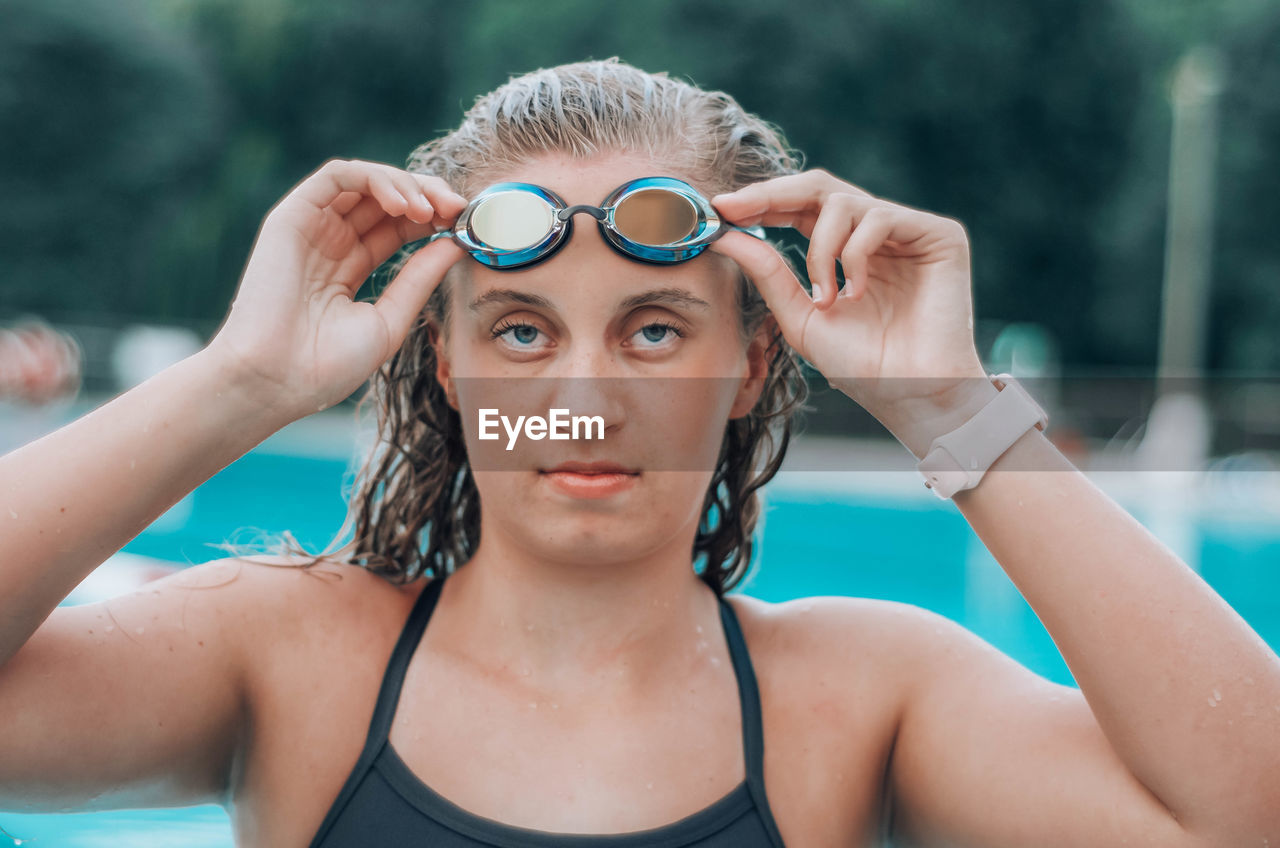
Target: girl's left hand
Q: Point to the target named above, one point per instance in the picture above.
(898, 338)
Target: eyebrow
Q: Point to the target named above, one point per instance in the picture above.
(669, 296)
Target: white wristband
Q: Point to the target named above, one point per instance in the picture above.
(957, 460)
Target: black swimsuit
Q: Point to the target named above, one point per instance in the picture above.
(383, 803)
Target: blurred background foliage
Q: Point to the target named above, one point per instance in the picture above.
(143, 141)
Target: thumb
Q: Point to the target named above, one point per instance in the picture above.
(402, 301)
(773, 278)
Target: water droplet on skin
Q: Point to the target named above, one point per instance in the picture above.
(524, 672)
(138, 630)
(555, 706)
(699, 628)
(132, 463)
(1217, 696)
(1248, 681)
(649, 786)
(1213, 703)
(715, 661)
(110, 628)
(529, 627)
(533, 705)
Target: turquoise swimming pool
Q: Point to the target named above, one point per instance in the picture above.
(817, 540)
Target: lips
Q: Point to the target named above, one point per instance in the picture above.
(590, 480)
(590, 468)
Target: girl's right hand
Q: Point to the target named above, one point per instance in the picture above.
(294, 330)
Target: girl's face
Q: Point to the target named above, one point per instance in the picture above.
(654, 354)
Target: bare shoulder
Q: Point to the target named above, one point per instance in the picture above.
(840, 632)
(847, 646)
(277, 598)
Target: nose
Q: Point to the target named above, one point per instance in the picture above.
(587, 383)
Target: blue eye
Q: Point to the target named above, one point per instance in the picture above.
(658, 332)
(516, 334)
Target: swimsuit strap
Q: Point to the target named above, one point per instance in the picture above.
(749, 695)
(393, 679)
(385, 709)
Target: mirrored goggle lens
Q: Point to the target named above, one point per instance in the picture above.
(656, 217)
(511, 220)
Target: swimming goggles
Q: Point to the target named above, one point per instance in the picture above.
(661, 220)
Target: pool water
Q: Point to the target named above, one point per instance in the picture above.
(860, 541)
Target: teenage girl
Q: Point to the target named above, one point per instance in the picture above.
(585, 680)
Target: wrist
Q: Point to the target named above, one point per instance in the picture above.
(253, 400)
(918, 421)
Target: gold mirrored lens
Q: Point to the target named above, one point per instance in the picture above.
(511, 220)
(657, 217)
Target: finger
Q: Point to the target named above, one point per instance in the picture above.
(893, 227)
(768, 271)
(403, 300)
(391, 234)
(870, 234)
(382, 187)
(365, 215)
(336, 176)
(446, 201)
(793, 193)
(420, 197)
(419, 207)
(839, 217)
(346, 201)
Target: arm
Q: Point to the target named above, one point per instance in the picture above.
(76, 496)
(106, 698)
(140, 700)
(1151, 645)
(1175, 729)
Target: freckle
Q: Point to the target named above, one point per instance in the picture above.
(64, 509)
(90, 632)
(200, 643)
(171, 649)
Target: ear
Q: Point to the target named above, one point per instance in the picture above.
(443, 367)
(757, 369)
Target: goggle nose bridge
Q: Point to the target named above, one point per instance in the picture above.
(594, 211)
